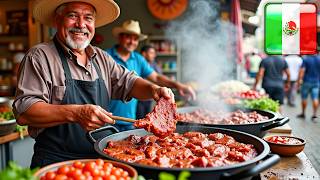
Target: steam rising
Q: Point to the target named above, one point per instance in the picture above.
(206, 42)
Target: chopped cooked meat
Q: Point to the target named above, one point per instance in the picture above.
(212, 150)
(162, 120)
(204, 116)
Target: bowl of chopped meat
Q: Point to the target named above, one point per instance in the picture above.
(285, 145)
(252, 121)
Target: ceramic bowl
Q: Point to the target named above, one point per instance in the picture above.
(53, 167)
(286, 149)
(7, 127)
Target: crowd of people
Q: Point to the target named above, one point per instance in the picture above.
(284, 76)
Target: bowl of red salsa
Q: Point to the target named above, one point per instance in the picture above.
(285, 145)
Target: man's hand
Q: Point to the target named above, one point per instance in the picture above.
(186, 91)
(163, 92)
(91, 117)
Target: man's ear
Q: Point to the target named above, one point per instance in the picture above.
(56, 20)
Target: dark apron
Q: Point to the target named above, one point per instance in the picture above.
(68, 141)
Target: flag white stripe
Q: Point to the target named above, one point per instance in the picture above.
(291, 44)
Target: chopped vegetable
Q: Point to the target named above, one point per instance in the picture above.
(6, 116)
(13, 172)
(262, 104)
(184, 175)
(20, 130)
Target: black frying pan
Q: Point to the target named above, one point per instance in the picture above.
(242, 170)
(258, 129)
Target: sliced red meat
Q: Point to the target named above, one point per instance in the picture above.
(162, 120)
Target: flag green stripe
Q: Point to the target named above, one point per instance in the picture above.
(273, 28)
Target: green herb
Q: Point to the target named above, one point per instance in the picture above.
(7, 115)
(14, 172)
(262, 104)
(184, 175)
(20, 130)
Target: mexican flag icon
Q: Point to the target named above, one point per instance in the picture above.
(290, 28)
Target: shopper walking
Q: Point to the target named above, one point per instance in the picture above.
(294, 62)
(270, 71)
(309, 76)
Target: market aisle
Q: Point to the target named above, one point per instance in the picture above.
(307, 129)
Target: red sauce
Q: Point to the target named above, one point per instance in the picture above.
(188, 150)
(284, 140)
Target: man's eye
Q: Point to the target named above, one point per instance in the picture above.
(89, 18)
(72, 16)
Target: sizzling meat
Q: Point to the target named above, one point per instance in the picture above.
(188, 150)
(162, 120)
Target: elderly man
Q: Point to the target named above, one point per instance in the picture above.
(65, 85)
(129, 35)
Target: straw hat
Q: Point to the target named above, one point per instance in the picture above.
(106, 10)
(129, 27)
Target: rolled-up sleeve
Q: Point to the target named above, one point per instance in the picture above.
(32, 86)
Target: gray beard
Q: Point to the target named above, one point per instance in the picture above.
(73, 45)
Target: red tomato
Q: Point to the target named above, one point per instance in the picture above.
(78, 164)
(89, 166)
(50, 175)
(125, 174)
(80, 177)
(95, 172)
(61, 177)
(74, 173)
(115, 171)
(86, 173)
(63, 169)
(99, 162)
(107, 166)
(111, 177)
(97, 178)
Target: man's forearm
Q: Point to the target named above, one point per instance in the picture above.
(44, 115)
(143, 89)
(163, 80)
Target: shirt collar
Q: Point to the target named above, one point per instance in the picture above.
(115, 53)
(91, 52)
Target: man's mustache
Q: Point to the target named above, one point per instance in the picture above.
(78, 30)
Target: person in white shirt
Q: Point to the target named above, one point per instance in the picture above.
(294, 63)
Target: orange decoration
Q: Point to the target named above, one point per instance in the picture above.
(167, 9)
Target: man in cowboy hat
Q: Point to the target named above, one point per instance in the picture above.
(65, 85)
(129, 35)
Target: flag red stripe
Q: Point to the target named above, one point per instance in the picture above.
(308, 29)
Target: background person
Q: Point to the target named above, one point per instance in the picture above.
(149, 53)
(294, 62)
(309, 76)
(128, 36)
(65, 85)
(254, 62)
(270, 71)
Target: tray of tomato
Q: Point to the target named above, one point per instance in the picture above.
(250, 94)
(87, 169)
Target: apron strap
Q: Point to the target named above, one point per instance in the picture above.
(64, 61)
(97, 69)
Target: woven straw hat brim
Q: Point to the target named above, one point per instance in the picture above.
(118, 30)
(106, 10)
